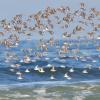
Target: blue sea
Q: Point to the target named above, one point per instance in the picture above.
(39, 86)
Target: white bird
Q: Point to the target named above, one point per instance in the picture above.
(53, 69)
(49, 65)
(47, 58)
(66, 76)
(27, 71)
(20, 77)
(52, 77)
(36, 68)
(62, 66)
(18, 73)
(71, 70)
(69, 78)
(41, 70)
(13, 66)
(85, 71)
(16, 44)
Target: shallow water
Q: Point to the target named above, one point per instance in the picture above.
(75, 91)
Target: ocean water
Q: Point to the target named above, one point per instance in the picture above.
(39, 86)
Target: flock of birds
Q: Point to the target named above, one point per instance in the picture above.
(76, 25)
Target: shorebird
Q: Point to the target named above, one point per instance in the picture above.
(13, 66)
(27, 70)
(66, 76)
(20, 77)
(49, 65)
(26, 59)
(18, 73)
(63, 66)
(85, 71)
(71, 70)
(52, 77)
(53, 69)
(41, 70)
(36, 68)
